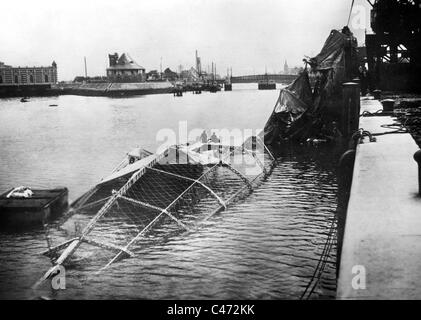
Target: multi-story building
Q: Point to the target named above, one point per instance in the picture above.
(26, 81)
(20, 76)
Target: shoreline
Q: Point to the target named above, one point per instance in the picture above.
(88, 89)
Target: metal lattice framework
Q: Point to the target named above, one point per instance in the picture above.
(174, 191)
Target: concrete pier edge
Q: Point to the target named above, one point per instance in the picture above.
(381, 252)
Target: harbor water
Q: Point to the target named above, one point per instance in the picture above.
(265, 246)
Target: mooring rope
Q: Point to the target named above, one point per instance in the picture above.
(318, 271)
(375, 114)
(323, 265)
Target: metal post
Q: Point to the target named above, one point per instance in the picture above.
(351, 106)
(86, 68)
(417, 158)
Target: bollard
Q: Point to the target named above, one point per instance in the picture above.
(417, 158)
(388, 105)
(377, 94)
(350, 108)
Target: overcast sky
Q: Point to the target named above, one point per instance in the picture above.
(246, 35)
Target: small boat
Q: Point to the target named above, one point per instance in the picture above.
(53, 105)
(24, 100)
(23, 206)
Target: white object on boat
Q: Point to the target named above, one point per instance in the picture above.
(20, 192)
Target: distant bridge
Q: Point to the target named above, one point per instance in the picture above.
(278, 78)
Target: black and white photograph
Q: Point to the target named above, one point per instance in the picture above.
(198, 150)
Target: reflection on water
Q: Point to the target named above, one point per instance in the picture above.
(264, 246)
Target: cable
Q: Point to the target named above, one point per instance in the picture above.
(318, 271)
(376, 114)
(350, 12)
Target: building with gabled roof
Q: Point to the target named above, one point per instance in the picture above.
(124, 69)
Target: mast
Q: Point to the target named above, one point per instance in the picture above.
(160, 66)
(214, 75)
(198, 65)
(86, 69)
(266, 73)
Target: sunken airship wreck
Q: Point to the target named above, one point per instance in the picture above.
(183, 186)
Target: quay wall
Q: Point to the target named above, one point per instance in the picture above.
(116, 89)
(26, 90)
(86, 89)
(381, 251)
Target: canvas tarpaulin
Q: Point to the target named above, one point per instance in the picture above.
(331, 51)
(299, 108)
(293, 102)
(333, 66)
